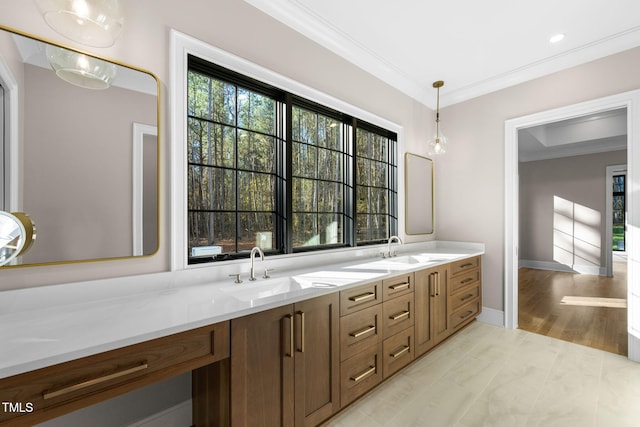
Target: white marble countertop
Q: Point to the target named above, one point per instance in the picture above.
(44, 326)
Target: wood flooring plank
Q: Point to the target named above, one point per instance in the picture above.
(580, 318)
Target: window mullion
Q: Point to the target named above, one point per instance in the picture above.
(288, 195)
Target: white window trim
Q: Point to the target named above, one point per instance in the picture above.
(183, 45)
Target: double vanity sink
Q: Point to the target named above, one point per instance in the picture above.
(53, 324)
(69, 346)
(264, 291)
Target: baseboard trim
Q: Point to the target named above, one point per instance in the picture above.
(492, 316)
(176, 416)
(556, 266)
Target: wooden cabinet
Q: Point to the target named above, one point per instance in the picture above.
(62, 388)
(376, 334)
(465, 296)
(285, 365)
(432, 323)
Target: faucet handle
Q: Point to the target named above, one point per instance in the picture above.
(266, 273)
(237, 276)
(384, 255)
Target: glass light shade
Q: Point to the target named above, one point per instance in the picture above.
(437, 145)
(79, 69)
(95, 23)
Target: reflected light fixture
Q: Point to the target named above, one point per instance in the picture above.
(80, 69)
(96, 23)
(438, 144)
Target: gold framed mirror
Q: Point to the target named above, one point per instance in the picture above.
(81, 155)
(419, 205)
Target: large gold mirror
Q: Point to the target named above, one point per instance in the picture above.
(79, 151)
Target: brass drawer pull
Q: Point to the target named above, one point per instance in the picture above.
(467, 280)
(80, 386)
(466, 297)
(397, 354)
(400, 286)
(363, 297)
(291, 350)
(364, 375)
(469, 264)
(400, 315)
(466, 314)
(361, 332)
(301, 314)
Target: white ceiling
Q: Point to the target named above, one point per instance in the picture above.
(594, 133)
(476, 47)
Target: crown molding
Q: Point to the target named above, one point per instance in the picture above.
(303, 20)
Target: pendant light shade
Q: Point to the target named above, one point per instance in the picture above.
(437, 144)
(79, 69)
(95, 23)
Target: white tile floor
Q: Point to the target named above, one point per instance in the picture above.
(491, 376)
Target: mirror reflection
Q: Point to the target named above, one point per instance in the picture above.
(79, 151)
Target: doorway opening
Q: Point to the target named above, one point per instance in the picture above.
(581, 217)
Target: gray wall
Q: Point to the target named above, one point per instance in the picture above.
(470, 178)
(552, 193)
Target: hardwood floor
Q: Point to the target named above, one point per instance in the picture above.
(579, 308)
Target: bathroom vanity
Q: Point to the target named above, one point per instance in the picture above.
(296, 348)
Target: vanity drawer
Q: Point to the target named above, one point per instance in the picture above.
(58, 389)
(465, 314)
(360, 373)
(397, 315)
(397, 352)
(352, 300)
(397, 286)
(466, 295)
(464, 265)
(360, 329)
(464, 279)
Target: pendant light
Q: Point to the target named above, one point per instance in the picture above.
(96, 23)
(79, 69)
(438, 144)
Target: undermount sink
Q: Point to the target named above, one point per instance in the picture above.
(260, 288)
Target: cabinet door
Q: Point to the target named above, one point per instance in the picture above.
(431, 315)
(317, 356)
(262, 368)
(440, 311)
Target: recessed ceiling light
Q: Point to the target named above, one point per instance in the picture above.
(556, 38)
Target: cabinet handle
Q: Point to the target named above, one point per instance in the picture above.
(432, 285)
(400, 286)
(301, 314)
(466, 314)
(361, 332)
(470, 279)
(290, 318)
(437, 284)
(466, 297)
(399, 353)
(364, 375)
(362, 297)
(469, 264)
(51, 394)
(400, 315)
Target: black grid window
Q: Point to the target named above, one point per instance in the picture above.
(267, 168)
(318, 166)
(376, 185)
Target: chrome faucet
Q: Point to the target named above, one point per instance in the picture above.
(252, 276)
(391, 239)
